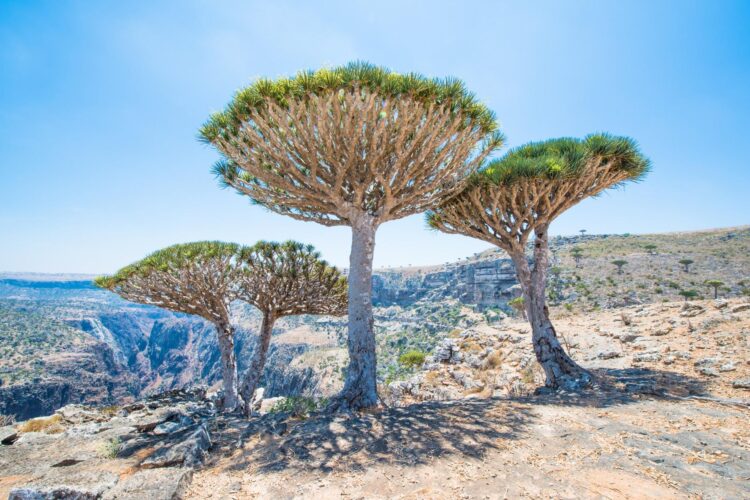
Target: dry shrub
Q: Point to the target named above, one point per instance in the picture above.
(49, 425)
(109, 411)
(627, 320)
(470, 346)
(493, 361)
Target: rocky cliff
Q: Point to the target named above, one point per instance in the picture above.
(483, 282)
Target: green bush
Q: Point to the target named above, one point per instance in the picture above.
(110, 448)
(412, 359)
(297, 406)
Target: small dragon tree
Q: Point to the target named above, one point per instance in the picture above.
(284, 279)
(686, 264)
(354, 146)
(715, 284)
(619, 263)
(577, 254)
(521, 194)
(194, 278)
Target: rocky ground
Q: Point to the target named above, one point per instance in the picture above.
(667, 418)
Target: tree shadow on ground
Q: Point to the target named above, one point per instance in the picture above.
(618, 386)
(406, 436)
(417, 433)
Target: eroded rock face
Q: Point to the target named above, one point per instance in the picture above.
(486, 283)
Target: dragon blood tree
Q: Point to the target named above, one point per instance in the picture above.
(352, 146)
(284, 279)
(521, 194)
(194, 278)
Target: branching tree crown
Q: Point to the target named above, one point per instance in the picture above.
(193, 278)
(332, 144)
(533, 184)
(290, 278)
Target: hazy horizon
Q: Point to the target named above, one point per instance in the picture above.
(100, 106)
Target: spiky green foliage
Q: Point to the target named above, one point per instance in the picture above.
(619, 263)
(689, 294)
(566, 158)
(533, 184)
(336, 145)
(194, 278)
(412, 359)
(291, 278)
(355, 75)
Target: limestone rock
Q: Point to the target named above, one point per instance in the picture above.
(741, 308)
(690, 310)
(189, 452)
(152, 484)
(648, 357)
(59, 484)
(8, 435)
(448, 351)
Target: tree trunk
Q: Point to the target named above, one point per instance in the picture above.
(255, 370)
(559, 369)
(225, 334)
(360, 388)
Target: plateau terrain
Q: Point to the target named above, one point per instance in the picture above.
(110, 399)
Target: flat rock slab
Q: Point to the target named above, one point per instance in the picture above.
(189, 452)
(152, 484)
(83, 485)
(8, 435)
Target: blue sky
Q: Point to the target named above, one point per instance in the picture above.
(100, 103)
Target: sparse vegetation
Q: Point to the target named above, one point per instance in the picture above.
(298, 406)
(110, 448)
(689, 294)
(412, 359)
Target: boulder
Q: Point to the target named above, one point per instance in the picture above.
(741, 383)
(690, 310)
(171, 426)
(648, 357)
(154, 484)
(79, 414)
(729, 366)
(267, 404)
(8, 435)
(741, 308)
(609, 354)
(189, 452)
(149, 422)
(448, 351)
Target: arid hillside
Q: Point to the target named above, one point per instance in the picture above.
(667, 418)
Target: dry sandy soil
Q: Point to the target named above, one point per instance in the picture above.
(668, 418)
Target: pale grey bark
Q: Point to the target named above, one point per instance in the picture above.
(360, 387)
(225, 334)
(255, 370)
(559, 368)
